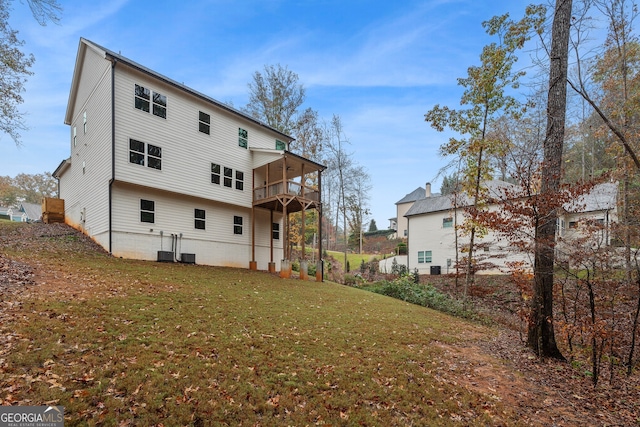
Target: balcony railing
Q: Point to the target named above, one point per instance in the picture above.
(287, 187)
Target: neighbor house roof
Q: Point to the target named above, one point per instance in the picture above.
(601, 197)
(33, 210)
(496, 188)
(417, 194)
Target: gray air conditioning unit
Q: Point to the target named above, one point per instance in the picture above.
(188, 258)
(165, 256)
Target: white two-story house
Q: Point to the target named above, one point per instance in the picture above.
(434, 246)
(159, 171)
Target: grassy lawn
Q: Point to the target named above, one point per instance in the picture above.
(120, 342)
(354, 259)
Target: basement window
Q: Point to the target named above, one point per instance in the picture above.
(199, 219)
(237, 225)
(147, 210)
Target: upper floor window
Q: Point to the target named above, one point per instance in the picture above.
(144, 97)
(84, 122)
(215, 173)
(147, 210)
(204, 122)
(199, 215)
(243, 138)
(141, 154)
(447, 222)
(75, 136)
(239, 180)
(275, 231)
(228, 176)
(280, 145)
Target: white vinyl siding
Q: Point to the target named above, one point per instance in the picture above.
(186, 153)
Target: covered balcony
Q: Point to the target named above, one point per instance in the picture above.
(287, 183)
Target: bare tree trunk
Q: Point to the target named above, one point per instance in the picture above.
(541, 335)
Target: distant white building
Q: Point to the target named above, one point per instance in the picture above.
(431, 225)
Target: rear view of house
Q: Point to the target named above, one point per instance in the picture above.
(159, 171)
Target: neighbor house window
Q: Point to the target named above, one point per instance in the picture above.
(199, 219)
(145, 154)
(144, 97)
(228, 176)
(84, 122)
(275, 231)
(147, 210)
(447, 222)
(239, 180)
(237, 225)
(280, 145)
(204, 123)
(75, 136)
(215, 173)
(424, 257)
(243, 138)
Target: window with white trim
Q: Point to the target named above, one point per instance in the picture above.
(239, 180)
(144, 154)
(147, 210)
(424, 257)
(215, 173)
(150, 101)
(199, 218)
(237, 224)
(243, 138)
(204, 122)
(228, 177)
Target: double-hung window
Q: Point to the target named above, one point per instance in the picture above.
(424, 257)
(144, 98)
(237, 225)
(228, 177)
(204, 123)
(275, 231)
(239, 180)
(199, 215)
(243, 138)
(147, 210)
(215, 173)
(145, 154)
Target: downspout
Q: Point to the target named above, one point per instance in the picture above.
(113, 151)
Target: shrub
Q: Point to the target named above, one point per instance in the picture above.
(406, 289)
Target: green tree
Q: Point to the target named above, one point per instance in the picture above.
(372, 226)
(16, 64)
(486, 96)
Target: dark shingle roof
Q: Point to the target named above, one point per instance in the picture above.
(417, 194)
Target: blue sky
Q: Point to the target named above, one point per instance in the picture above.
(380, 65)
